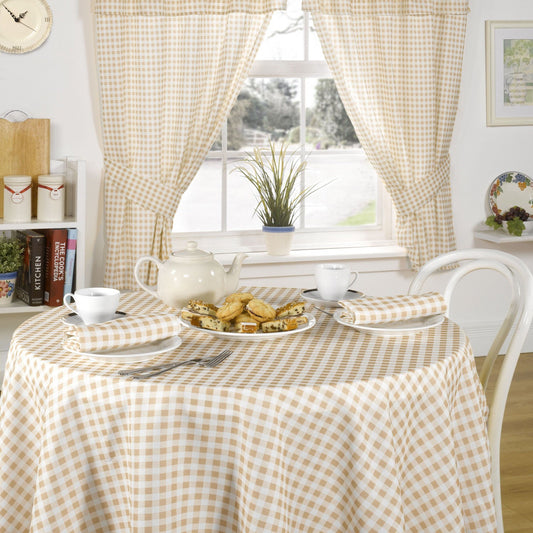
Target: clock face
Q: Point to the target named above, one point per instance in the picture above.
(24, 25)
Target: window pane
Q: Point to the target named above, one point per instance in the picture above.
(266, 108)
(315, 48)
(348, 197)
(328, 125)
(284, 36)
(200, 206)
(241, 200)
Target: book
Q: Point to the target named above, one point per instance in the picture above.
(72, 238)
(30, 278)
(55, 263)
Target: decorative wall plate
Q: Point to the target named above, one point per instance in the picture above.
(510, 189)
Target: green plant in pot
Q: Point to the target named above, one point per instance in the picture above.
(274, 175)
(11, 257)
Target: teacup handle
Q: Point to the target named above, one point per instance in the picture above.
(65, 298)
(149, 289)
(355, 276)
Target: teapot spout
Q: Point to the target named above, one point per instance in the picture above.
(234, 273)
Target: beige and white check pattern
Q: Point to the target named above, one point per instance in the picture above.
(331, 430)
(376, 309)
(119, 333)
(169, 75)
(397, 66)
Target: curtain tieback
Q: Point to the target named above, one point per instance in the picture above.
(410, 200)
(158, 197)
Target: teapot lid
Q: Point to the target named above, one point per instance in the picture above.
(191, 253)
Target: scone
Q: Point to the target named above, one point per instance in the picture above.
(260, 310)
(210, 322)
(292, 308)
(202, 307)
(230, 310)
(279, 324)
(243, 297)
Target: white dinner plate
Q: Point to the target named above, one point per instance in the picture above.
(134, 354)
(260, 336)
(73, 319)
(312, 296)
(401, 327)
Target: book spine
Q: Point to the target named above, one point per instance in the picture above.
(56, 251)
(30, 280)
(72, 237)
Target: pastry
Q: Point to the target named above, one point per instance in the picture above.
(243, 297)
(247, 327)
(210, 322)
(292, 308)
(260, 310)
(279, 324)
(187, 314)
(202, 307)
(230, 310)
(244, 317)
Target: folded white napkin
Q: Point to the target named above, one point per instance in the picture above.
(373, 310)
(119, 333)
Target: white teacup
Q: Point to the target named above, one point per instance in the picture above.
(94, 304)
(333, 280)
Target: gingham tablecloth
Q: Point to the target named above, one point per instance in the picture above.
(330, 430)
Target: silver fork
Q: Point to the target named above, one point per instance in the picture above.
(146, 372)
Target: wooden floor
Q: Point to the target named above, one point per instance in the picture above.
(516, 459)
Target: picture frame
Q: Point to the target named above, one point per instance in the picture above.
(509, 72)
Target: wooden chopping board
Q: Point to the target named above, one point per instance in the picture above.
(24, 149)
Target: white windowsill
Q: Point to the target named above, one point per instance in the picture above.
(387, 257)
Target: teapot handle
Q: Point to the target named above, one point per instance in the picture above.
(149, 289)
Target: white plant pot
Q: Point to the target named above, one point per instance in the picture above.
(7, 287)
(278, 239)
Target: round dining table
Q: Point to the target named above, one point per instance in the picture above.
(328, 429)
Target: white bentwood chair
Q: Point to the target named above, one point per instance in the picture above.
(512, 332)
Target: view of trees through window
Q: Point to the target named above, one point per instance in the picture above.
(303, 110)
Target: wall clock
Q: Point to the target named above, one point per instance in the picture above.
(24, 25)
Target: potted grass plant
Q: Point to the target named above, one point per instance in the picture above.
(11, 256)
(274, 174)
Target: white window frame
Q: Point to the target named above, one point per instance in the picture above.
(223, 241)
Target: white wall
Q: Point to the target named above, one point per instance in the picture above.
(58, 81)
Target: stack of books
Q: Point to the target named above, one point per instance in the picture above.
(48, 269)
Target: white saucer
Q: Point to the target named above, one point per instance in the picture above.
(311, 295)
(134, 354)
(73, 319)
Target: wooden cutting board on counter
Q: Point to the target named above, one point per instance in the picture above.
(24, 149)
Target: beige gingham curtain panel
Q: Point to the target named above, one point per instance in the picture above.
(169, 74)
(397, 65)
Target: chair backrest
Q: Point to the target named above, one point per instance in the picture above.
(512, 331)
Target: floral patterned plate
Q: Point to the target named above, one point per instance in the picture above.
(510, 189)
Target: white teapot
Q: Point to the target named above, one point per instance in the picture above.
(191, 273)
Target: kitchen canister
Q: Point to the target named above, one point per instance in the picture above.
(51, 198)
(17, 198)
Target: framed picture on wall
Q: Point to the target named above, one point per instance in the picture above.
(509, 72)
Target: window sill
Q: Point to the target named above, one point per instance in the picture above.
(382, 258)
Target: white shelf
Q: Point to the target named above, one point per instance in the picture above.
(500, 236)
(74, 172)
(20, 307)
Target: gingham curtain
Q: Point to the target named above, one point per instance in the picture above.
(169, 74)
(397, 65)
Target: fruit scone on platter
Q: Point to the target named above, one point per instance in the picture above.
(243, 313)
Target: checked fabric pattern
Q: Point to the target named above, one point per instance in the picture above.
(169, 73)
(119, 333)
(373, 310)
(397, 66)
(330, 430)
